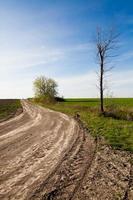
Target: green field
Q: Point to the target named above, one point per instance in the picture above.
(8, 107)
(117, 132)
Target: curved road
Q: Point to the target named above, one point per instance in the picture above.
(43, 155)
(46, 155)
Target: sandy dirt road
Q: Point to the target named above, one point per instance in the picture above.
(46, 155)
(43, 155)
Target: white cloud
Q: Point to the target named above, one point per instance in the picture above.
(120, 83)
(78, 86)
(27, 58)
(17, 89)
(21, 58)
(123, 83)
(84, 85)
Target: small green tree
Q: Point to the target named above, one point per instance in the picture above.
(45, 87)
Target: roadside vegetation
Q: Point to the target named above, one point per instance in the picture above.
(116, 127)
(8, 108)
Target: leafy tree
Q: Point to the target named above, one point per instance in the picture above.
(45, 87)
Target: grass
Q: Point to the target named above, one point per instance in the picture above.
(117, 132)
(8, 107)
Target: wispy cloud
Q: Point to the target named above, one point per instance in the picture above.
(28, 58)
(84, 85)
(38, 56)
(78, 86)
(120, 84)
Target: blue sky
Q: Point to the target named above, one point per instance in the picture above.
(55, 38)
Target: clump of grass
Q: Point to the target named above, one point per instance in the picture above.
(46, 99)
(119, 112)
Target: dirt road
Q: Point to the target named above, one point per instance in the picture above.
(46, 155)
(34, 146)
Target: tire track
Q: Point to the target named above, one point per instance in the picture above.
(65, 181)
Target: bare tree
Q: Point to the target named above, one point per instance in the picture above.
(105, 44)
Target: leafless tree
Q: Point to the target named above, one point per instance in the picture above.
(105, 45)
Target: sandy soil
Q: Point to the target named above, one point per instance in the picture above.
(47, 155)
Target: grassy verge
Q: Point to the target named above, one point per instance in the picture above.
(8, 107)
(117, 132)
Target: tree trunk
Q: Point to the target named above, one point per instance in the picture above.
(101, 88)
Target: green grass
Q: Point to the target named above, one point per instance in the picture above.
(118, 133)
(8, 107)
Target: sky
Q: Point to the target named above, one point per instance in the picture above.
(56, 38)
